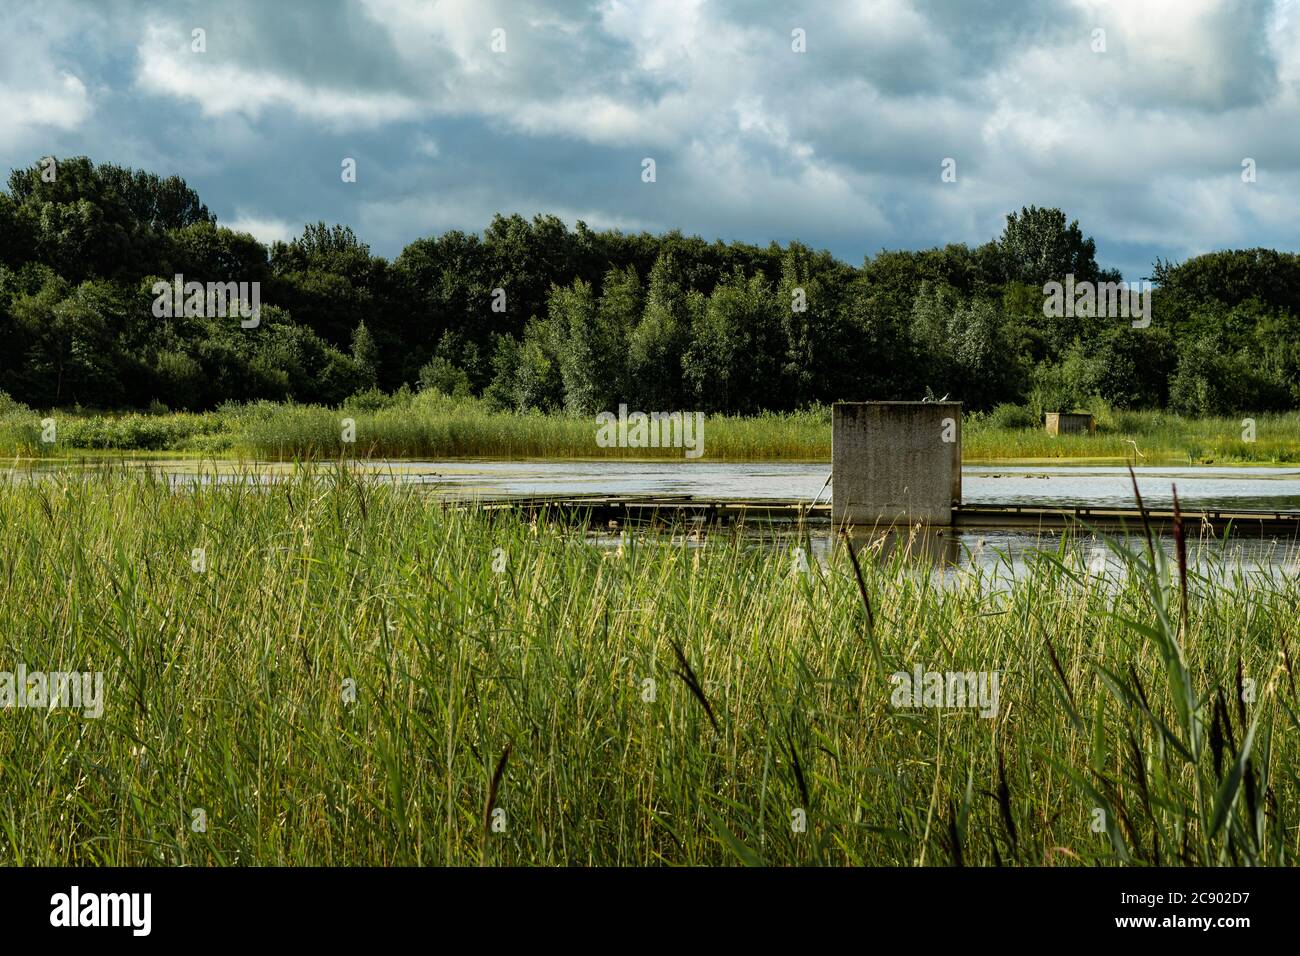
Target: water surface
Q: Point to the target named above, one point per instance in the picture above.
(1212, 487)
(1087, 485)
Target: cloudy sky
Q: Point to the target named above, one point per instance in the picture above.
(841, 146)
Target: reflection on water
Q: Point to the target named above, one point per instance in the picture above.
(917, 545)
(994, 555)
(1254, 488)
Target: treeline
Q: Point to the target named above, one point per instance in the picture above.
(532, 314)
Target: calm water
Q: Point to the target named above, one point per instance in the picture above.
(1247, 488)
(1271, 489)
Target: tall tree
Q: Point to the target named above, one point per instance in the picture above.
(1038, 247)
(660, 338)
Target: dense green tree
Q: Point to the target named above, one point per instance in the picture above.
(443, 286)
(441, 375)
(209, 253)
(1207, 381)
(533, 314)
(1038, 247)
(966, 347)
(67, 338)
(572, 327)
(365, 353)
(100, 221)
(660, 339)
(617, 315)
(327, 279)
(1230, 277)
(711, 358)
(810, 332)
(539, 382)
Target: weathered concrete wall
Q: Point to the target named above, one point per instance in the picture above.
(895, 462)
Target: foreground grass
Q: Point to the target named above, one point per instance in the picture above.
(359, 676)
(433, 426)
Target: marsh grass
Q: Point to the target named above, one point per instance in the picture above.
(433, 426)
(1158, 436)
(525, 691)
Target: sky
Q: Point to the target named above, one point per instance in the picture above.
(1133, 116)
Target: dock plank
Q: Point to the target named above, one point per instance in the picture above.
(602, 509)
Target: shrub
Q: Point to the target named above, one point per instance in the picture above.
(442, 376)
(1007, 415)
(9, 406)
(367, 400)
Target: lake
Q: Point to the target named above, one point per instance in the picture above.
(1225, 488)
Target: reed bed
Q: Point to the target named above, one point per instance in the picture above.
(433, 426)
(438, 428)
(1146, 435)
(361, 675)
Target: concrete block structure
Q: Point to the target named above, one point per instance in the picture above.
(895, 463)
(1070, 423)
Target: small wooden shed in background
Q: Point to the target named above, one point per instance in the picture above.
(1070, 423)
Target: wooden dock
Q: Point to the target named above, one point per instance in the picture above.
(670, 510)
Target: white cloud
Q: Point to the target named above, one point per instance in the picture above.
(1284, 42)
(472, 209)
(41, 89)
(61, 103)
(266, 229)
(666, 35)
(167, 66)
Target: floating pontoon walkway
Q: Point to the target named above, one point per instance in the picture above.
(685, 509)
